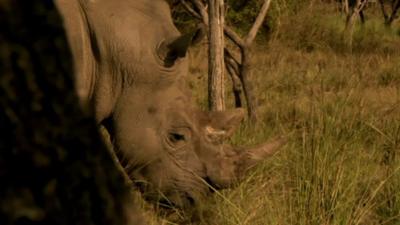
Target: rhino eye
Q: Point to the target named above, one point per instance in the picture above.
(177, 139)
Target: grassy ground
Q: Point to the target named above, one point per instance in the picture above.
(341, 107)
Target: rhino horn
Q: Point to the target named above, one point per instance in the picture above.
(236, 162)
(251, 156)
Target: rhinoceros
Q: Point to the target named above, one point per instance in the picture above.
(131, 66)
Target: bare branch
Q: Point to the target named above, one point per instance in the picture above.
(360, 5)
(232, 67)
(230, 57)
(202, 10)
(236, 86)
(396, 6)
(257, 24)
(231, 34)
(190, 10)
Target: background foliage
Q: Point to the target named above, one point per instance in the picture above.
(339, 105)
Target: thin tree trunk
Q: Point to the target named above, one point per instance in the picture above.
(351, 19)
(345, 6)
(349, 28)
(216, 86)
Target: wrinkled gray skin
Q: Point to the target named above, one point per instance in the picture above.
(131, 66)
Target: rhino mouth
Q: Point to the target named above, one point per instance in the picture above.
(212, 186)
(184, 201)
(175, 199)
(177, 195)
(183, 191)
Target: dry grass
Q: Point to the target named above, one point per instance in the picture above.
(341, 108)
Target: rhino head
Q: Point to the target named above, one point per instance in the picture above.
(131, 66)
(177, 154)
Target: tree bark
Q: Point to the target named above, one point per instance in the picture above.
(54, 169)
(216, 79)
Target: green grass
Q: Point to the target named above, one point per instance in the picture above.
(341, 110)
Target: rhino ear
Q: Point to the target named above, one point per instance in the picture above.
(224, 123)
(170, 50)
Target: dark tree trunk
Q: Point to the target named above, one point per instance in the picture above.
(362, 17)
(389, 18)
(54, 169)
(393, 15)
(383, 10)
